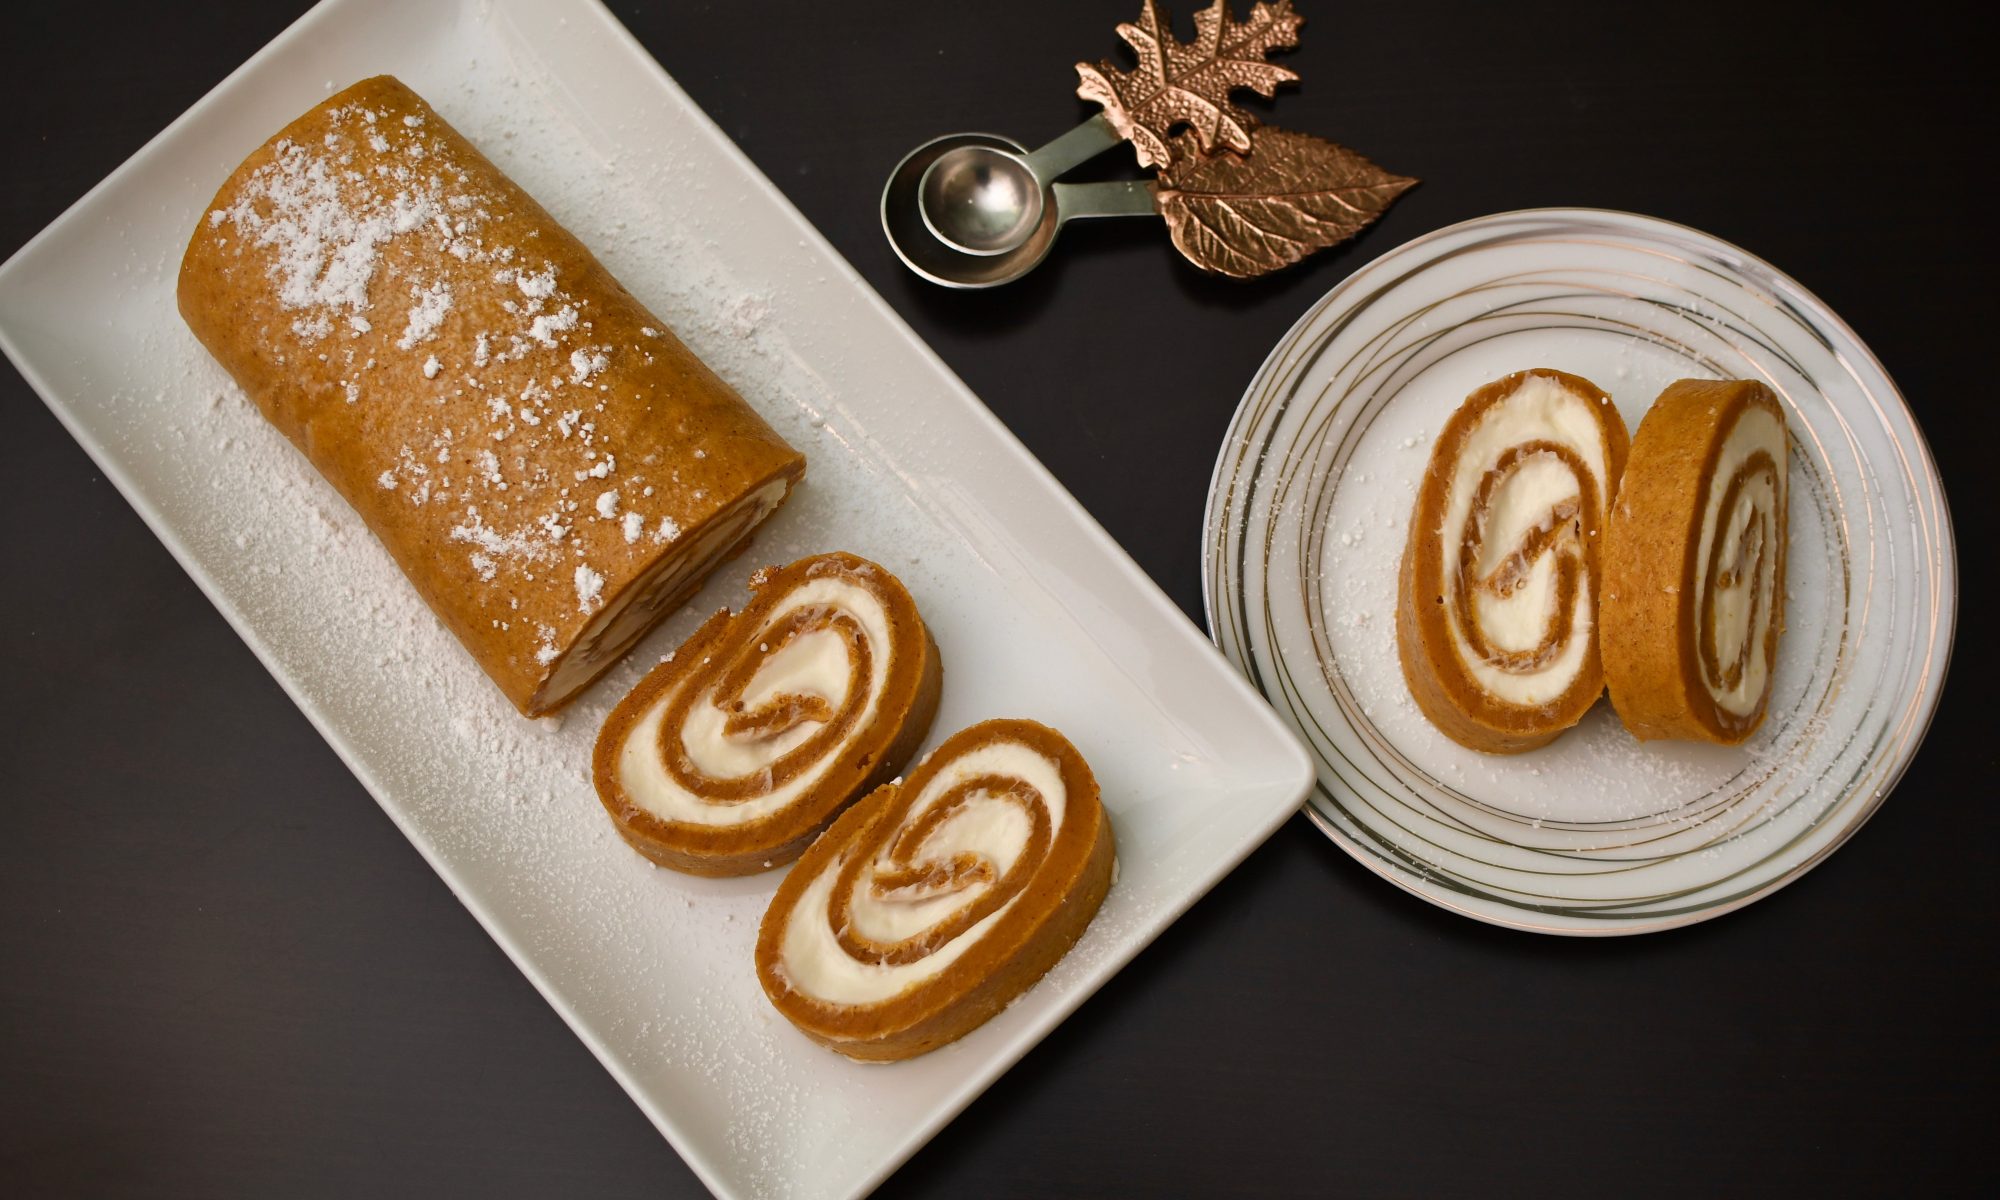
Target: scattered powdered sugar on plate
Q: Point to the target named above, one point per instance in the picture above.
(654, 967)
(1594, 773)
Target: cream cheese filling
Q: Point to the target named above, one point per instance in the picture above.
(1540, 409)
(1736, 621)
(811, 955)
(1519, 620)
(815, 664)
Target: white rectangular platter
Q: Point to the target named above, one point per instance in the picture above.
(1037, 611)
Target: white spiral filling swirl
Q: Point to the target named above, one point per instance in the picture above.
(829, 672)
(903, 905)
(1521, 611)
(1738, 557)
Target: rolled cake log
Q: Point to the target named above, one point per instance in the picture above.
(1496, 620)
(1694, 564)
(934, 902)
(734, 754)
(551, 468)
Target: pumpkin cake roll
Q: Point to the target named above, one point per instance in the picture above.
(934, 902)
(1496, 617)
(732, 755)
(1694, 564)
(551, 468)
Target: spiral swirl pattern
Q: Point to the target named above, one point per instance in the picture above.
(933, 902)
(730, 756)
(1496, 622)
(1696, 564)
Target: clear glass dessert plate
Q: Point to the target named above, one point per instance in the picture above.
(1038, 613)
(1593, 834)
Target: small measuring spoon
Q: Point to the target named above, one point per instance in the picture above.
(913, 236)
(982, 199)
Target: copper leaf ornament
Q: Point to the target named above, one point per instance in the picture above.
(1290, 195)
(1190, 83)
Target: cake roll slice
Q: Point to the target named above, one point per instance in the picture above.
(934, 902)
(551, 468)
(732, 755)
(1694, 564)
(1496, 617)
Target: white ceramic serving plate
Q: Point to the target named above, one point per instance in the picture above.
(1037, 611)
(1310, 506)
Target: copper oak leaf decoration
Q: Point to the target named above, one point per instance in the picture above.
(1291, 195)
(1189, 84)
(1239, 199)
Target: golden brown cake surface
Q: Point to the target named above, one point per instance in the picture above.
(548, 465)
(934, 902)
(731, 756)
(1694, 585)
(1496, 616)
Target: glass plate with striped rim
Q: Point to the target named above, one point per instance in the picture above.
(1593, 834)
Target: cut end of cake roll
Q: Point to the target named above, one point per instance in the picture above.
(1694, 584)
(659, 589)
(733, 755)
(931, 905)
(1496, 618)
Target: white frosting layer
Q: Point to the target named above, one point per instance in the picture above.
(1540, 409)
(1735, 621)
(814, 664)
(994, 829)
(1520, 506)
(811, 955)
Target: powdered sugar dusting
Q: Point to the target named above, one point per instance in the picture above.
(654, 965)
(326, 250)
(537, 286)
(545, 327)
(589, 588)
(583, 364)
(432, 303)
(503, 447)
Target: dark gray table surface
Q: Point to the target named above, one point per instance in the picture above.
(224, 973)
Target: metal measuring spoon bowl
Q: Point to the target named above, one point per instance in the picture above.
(986, 200)
(914, 233)
(980, 200)
(936, 260)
